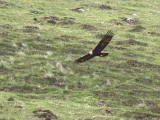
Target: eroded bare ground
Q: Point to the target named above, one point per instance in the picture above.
(154, 33)
(31, 29)
(134, 91)
(117, 23)
(88, 27)
(55, 20)
(45, 114)
(6, 26)
(141, 115)
(5, 3)
(73, 50)
(37, 40)
(105, 7)
(44, 47)
(7, 49)
(23, 89)
(133, 64)
(67, 21)
(117, 47)
(99, 36)
(79, 9)
(66, 38)
(131, 54)
(131, 20)
(138, 28)
(130, 42)
(3, 34)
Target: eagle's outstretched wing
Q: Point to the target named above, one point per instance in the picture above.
(84, 58)
(104, 42)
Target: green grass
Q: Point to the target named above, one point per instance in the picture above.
(37, 69)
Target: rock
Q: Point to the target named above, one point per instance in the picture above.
(78, 10)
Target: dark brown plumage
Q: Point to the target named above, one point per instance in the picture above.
(97, 50)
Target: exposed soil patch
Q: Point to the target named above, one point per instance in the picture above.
(143, 93)
(151, 103)
(55, 20)
(59, 84)
(19, 44)
(105, 7)
(7, 119)
(141, 116)
(130, 54)
(7, 49)
(89, 42)
(11, 99)
(128, 86)
(130, 20)
(131, 42)
(117, 23)
(145, 116)
(5, 3)
(156, 110)
(101, 103)
(138, 28)
(132, 67)
(67, 21)
(6, 53)
(154, 34)
(54, 81)
(88, 27)
(7, 26)
(80, 9)
(45, 114)
(135, 63)
(4, 69)
(118, 48)
(31, 29)
(105, 94)
(144, 80)
(44, 47)
(36, 12)
(3, 34)
(131, 102)
(78, 86)
(73, 50)
(23, 89)
(51, 19)
(125, 67)
(66, 38)
(40, 40)
(99, 36)
(139, 93)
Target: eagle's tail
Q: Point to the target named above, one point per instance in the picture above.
(104, 54)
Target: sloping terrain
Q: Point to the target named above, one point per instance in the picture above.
(39, 41)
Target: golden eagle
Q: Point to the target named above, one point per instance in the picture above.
(97, 50)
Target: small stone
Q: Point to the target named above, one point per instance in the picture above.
(134, 14)
(78, 10)
(158, 12)
(130, 20)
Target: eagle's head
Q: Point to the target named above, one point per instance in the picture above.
(90, 53)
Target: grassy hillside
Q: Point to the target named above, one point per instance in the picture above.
(39, 41)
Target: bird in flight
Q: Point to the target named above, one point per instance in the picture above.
(97, 51)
